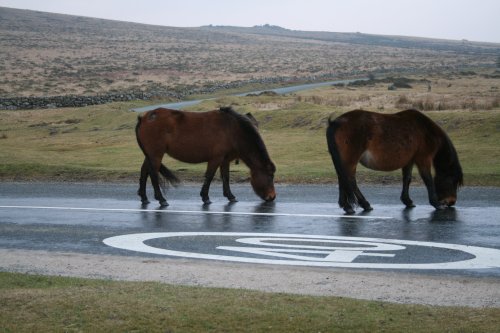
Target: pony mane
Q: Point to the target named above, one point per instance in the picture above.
(446, 160)
(249, 130)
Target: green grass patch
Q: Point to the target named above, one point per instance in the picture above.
(31, 303)
(98, 142)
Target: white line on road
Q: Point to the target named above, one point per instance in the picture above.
(172, 211)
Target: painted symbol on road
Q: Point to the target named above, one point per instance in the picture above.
(310, 250)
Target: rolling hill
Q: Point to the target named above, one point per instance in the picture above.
(45, 54)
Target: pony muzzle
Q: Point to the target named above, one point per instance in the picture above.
(270, 196)
(449, 201)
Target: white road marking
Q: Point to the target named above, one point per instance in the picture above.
(483, 258)
(173, 211)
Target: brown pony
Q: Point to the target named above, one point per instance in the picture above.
(387, 142)
(216, 137)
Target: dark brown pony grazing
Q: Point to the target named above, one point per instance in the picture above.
(216, 137)
(387, 142)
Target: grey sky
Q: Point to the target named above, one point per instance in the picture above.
(475, 20)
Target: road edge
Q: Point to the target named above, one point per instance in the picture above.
(396, 287)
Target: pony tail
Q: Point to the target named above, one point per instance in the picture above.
(169, 175)
(137, 126)
(164, 171)
(345, 186)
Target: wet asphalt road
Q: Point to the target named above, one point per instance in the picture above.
(80, 217)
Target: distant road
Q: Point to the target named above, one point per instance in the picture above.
(280, 91)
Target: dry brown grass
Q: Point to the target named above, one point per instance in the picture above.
(465, 93)
(48, 54)
(449, 92)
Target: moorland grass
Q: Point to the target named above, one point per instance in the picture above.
(98, 142)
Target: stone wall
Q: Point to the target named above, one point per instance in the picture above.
(15, 103)
(49, 102)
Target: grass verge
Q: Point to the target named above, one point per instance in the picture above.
(32, 303)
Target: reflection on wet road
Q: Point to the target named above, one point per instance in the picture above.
(78, 217)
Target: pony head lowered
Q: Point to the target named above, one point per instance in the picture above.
(254, 154)
(263, 182)
(448, 173)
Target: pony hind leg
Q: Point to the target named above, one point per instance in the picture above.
(361, 198)
(345, 168)
(142, 182)
(342, 196)
(347, 196)
(155, 181)
(405, 195)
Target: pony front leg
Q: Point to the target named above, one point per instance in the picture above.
(431, 191)
(209, 176)
(405, 196)
(224, 172)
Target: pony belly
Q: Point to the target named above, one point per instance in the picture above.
(380, 162)
(187, 157)
(198, 154)
(368, 160)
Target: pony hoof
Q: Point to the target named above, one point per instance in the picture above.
(368, 209)
(207, 202)
(233, 199)
(349, 211)
(145, 202)
(163, 204)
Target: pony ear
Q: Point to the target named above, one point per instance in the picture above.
(252, 119)
(271, 167)
(152, 115)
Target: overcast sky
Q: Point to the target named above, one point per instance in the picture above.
(475, 20)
